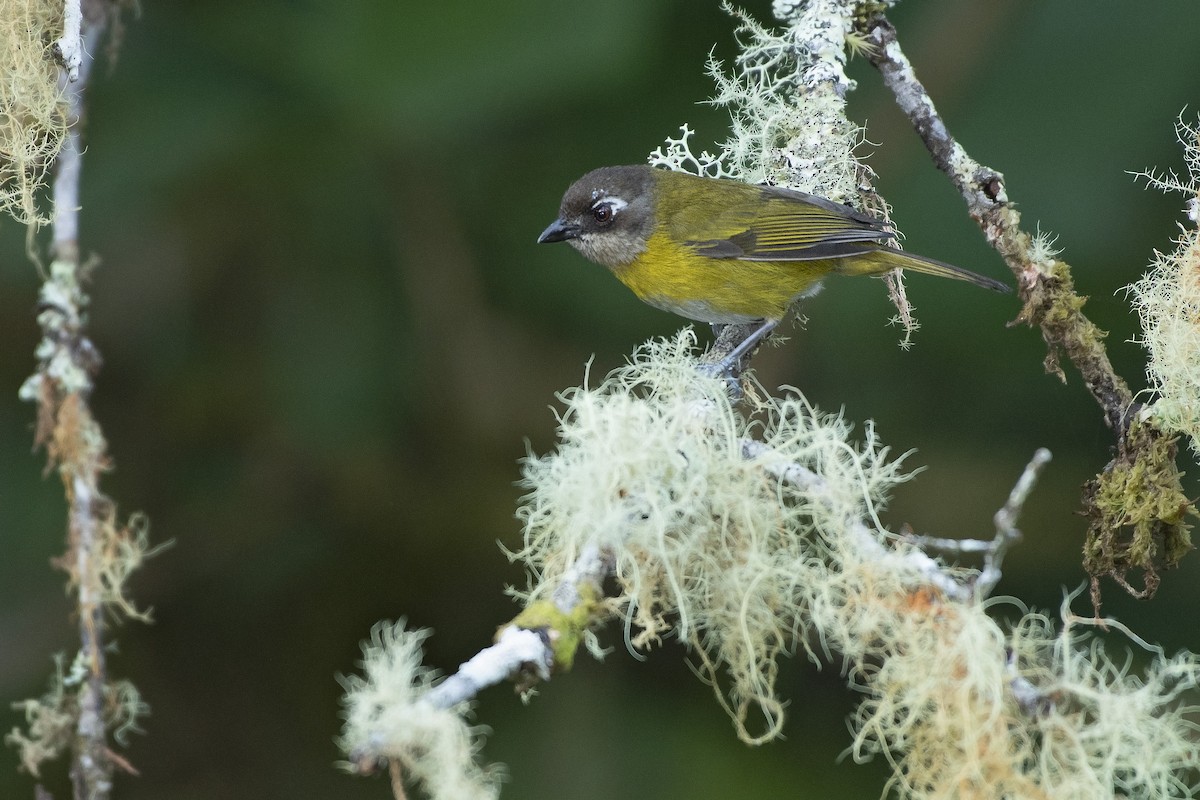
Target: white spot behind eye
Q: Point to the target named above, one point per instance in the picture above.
(615, 203)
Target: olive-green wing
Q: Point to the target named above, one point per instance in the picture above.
(774, 224)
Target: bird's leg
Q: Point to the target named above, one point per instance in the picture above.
(749, 343)
(729, 365)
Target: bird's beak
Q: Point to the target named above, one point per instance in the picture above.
(559, 231)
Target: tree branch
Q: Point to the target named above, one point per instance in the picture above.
(1129, 527)
(91, 770)
(69, 48)
(100, 553)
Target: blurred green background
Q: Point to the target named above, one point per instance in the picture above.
(328, 335)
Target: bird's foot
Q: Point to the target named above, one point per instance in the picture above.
(727, 369)
(731, 364)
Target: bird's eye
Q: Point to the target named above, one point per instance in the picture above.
(603, 213)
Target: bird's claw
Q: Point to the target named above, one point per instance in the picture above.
(726, 369)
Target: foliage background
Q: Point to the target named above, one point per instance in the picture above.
(327, 333)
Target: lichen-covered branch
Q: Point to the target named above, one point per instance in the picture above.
(84, 708)
(539, 641)
(68, 49)
(1144, 529)
(1045, 282)
(748, 537)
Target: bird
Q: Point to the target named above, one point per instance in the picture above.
(724, 251)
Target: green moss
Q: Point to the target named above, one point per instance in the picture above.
(867, 12)
(1138, 512)
(1063, 304)
(565, 629)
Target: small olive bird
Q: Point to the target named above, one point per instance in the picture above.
(723, 251)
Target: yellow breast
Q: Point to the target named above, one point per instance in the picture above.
(674, 278)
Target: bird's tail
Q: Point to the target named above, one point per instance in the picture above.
(889, 258)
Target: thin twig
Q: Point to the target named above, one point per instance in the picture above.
(91, 770)
(66, 428)
(1006, 531)
(396, 774)
(1006, 523)
(1006, 518)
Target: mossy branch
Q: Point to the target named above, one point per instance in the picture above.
(1051, 304)
(83, 708)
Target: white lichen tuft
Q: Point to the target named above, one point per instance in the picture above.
(1044, 250)
(51, 720)
(1105, 731)
(1167, 299)
(954, 702)
(677, 155)
(33, 121)
(710, 545)
(386, 718)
